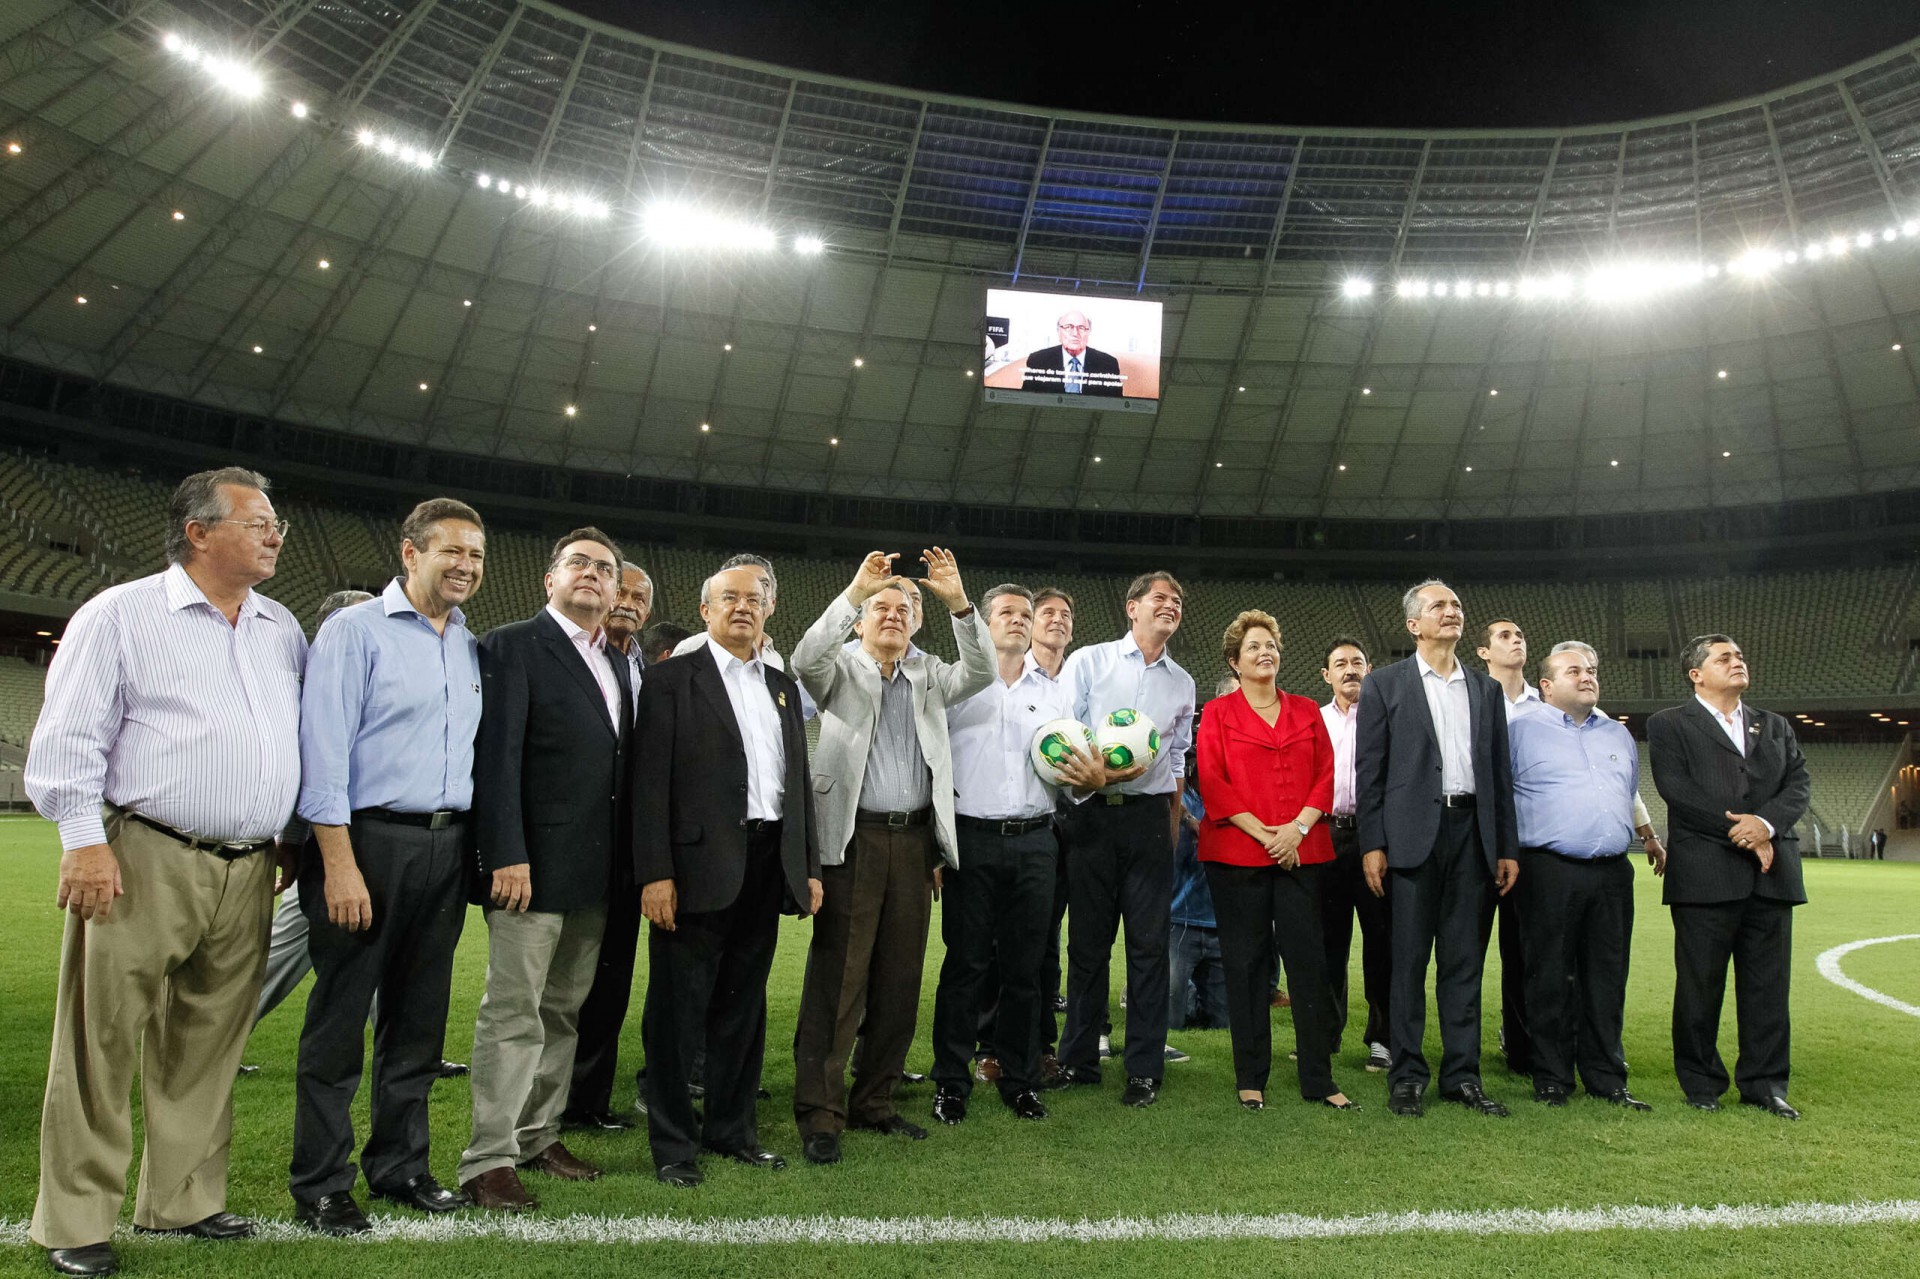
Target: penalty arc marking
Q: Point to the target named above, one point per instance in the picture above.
(1829, 964)
(1172, 1228)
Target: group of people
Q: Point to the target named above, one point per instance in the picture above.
(577, 773)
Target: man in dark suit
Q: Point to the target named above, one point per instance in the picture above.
(550, 785)
(1073, 367)
(721, 848)
(1433, 789)
(590, 1096)
(1735, 786)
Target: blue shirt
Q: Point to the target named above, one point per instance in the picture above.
(1192, 898)
(388, 713)
(1573, 784)
(1116, 675)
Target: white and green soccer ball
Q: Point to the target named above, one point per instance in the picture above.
(1126, 737)
(1053, 742)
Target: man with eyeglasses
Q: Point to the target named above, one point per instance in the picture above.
(1073, 367)
(762, 568)
(388, 716)
(590, 1098)
(168, 750)
(550, 779)
(722, 846)
(884, 820)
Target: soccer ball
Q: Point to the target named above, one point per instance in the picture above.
(1127, 737)
(1053, 742)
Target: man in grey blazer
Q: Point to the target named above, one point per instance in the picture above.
(1433, 790)
(883, 820)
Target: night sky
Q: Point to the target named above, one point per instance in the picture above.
(1469, 64)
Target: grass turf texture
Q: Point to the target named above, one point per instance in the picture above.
(1194, 1152)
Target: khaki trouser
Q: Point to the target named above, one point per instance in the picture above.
(167, 982)
(540, 966)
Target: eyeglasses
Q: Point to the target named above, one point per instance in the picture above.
(732, 599)
(582, 563)
(260, 528)
(1076, 328)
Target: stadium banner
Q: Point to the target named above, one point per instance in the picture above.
(1068, 350)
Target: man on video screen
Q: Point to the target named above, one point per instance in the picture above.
(1073, 367)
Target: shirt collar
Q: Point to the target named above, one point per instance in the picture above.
(184, 592)
(1459, 672)
(728, 661)
(1738, 709)
(576, 632)
(1130, 647)
(1527, 694)
(1333, 704)
(394, 600)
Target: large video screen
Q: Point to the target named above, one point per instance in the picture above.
(1066, 350)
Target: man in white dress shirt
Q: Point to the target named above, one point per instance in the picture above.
(1503, 647)
(1123, 839)
(1345, 895)
(168, 750)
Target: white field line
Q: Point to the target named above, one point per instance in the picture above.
(1829, 964)
(1175, 1228)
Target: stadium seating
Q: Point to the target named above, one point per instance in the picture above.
(21, 685)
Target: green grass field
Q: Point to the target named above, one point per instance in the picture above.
(1195, 1152)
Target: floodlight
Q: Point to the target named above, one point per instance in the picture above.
(809, 245)
(1910, 229)
(172, 43)
(365, 137)
(1815, 252)
(678, 226)
(1891, 234)
(1357, 286)
(1837, 246)
(1864, 239)
(299, 110)
(485, 183)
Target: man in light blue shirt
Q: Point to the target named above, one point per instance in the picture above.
(1123, 840)
(1575, 776)
(388, 717)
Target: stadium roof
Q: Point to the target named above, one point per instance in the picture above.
(195, 222)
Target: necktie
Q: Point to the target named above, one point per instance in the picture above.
(1073, 376)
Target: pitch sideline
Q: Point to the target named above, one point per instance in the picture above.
(1174, 1228)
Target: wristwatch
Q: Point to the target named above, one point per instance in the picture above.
(1303, 828)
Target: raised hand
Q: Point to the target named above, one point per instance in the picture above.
(943, 579)
(875, 571)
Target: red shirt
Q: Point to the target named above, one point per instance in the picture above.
(1270, 770)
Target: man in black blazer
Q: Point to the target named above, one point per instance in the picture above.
(550, 781)
(1073, 367)
(1735, 786)
(1433, 791)
(722, 845)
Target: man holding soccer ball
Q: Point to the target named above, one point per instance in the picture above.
(1123, 837)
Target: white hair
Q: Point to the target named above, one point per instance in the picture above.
(1410, 602)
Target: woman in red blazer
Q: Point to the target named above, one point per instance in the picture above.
(1266, 777)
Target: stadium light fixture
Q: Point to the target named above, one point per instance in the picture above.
(1096, 457)
(1864, 240)
(1722, 375)
(573, 410)
(859, 363)
(1366, 390)
(1343, 466)
(593, 328)
(80, 300)
(726, 346)
(678, 226)
(258, 349)
(299, 110)
(1725, 453)
(423, 386)
(809, 245)
(14, 148)
(1357, 286)
(179, 216)
(1896, 346)
(1614, 462)
(706, 426)
(324, 265)
(834, 440)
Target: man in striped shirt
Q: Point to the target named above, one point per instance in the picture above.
(168, 751)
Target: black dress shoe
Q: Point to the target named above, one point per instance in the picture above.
(425, 1193)
(752, 1157)
(1772, 1105)
(821, 1147)
(892, 1126)
(949, 1107)
(911, 1077)
(1551, 1095)
(1348, 1104)
(334, 1214)
(680, 1176)
(1404, 1100)
(221, 1225)
(452, 1069)
(90, 1259)
(1027, 1105)
(1078, 1077)
(1140, 1093)
(604, 1120)
(1708, 1104)
(1625, 1100)
(1470, 1096)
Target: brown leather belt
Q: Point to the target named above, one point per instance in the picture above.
(229, 850)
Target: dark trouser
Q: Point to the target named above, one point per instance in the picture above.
(1049, 963)
(596, 1060)
(1579, 916)
(416, 879)
(1259, 908)
(863, 978)
(1122, 869)
(1757, 934)
(993, 919)
(1345, 895)
(1438, 908)
(1516, 1027)
(707, 984)
(1196, 978)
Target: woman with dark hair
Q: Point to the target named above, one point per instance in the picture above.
(1266, 778)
